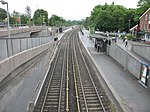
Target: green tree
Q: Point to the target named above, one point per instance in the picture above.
(24, 19)
(28, 13)
(110, 17)
(130, 20)
(12, 20)
(56, 20)
(94, 14)
(40, 17)
(3, 14)
(87, 22)
(143, 5)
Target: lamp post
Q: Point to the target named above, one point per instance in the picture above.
(3, 2)
(129, 25)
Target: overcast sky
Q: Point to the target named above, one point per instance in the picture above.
(68, 9)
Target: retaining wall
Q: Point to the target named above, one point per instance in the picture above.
(127, 60)
(20, 31)
(142, 50)
(11, 63)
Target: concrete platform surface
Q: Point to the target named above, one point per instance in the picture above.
(130, 94)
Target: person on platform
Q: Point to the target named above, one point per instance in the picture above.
(126, 41)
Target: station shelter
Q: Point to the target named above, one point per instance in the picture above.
(100, 42)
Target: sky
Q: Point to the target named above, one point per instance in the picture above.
(68, 9)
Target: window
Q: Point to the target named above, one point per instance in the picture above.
(144, 26)
(149, 17)
(146, 17)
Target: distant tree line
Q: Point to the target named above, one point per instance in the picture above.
(115, 17)
(40, 18)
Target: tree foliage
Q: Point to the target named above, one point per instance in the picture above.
(40, 17)
(28, 12)
(28, 15)
(115, 17)
(143, 5)
(110, 17)
(56, 20)
(24, 19)
(12, 20)
(3, 14)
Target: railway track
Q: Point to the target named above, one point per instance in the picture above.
(72, 84)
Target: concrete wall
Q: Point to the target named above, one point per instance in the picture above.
(12, 46)
(34, 31)
(142, 50)
(10, 64)
(129, 62)
(20, 31)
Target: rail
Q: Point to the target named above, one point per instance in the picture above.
(90, 90)
(70, 85)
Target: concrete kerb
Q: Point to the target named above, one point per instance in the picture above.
(121, 102)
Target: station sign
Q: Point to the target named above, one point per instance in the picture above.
(144, 74)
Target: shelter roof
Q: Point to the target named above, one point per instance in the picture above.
(97, 36)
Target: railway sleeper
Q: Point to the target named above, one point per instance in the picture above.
(56, 92)
(55, 87)
(93, 101)
(85, 84)
(52, 101)
(52, 97)
(50, 109)
(96, 105)
(89, 90)
(52, 104)
(90, 93)
(96, 110)
(92, 98)
(56, 81)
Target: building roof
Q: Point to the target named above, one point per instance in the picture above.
(134, 27)
(145, 13)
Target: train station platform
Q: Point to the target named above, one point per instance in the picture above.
(129, 93)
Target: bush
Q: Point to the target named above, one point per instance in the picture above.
(130, 37)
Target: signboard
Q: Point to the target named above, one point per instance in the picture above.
(144, 74)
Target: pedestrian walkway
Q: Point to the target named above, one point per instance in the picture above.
(131, 96)
(128, 49)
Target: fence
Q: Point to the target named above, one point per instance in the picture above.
(12, 46)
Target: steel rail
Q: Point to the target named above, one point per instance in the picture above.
(67, 85)
(50, 80)
(60, 96)
(91, 77)
(79, 73)
(75, 75)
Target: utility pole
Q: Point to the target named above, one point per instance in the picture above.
(3, 2)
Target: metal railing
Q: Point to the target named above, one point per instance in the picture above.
(12, 46)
